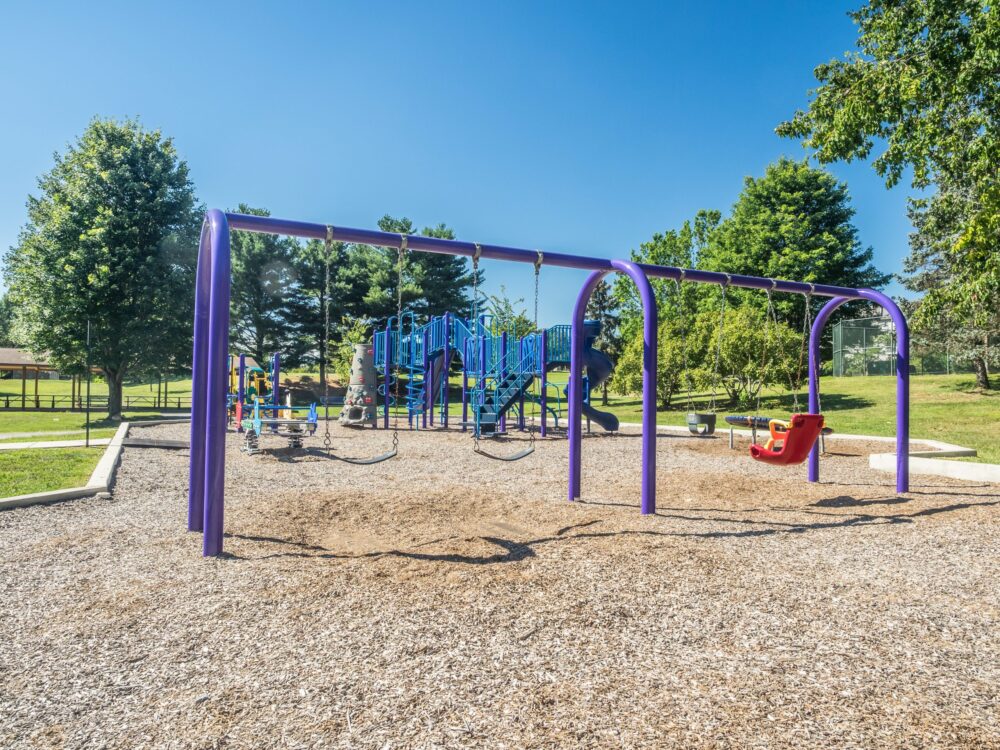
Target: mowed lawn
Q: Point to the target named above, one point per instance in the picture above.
(64, 425)
(942, 407)
(42, 470)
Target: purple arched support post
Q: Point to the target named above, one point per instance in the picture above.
(902, 381)
(648, 382)
(213, 232)
(215, 391)
(276, 379)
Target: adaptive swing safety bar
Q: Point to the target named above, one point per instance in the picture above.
(206, 489)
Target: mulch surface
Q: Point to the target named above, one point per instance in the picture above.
(445, 600)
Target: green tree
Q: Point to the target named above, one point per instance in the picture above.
(670, 376)
(444, 280)
(308, 305)
(793, 223)
(353, 332)
(432, 285)
(264, 293)
(603, 308)
(922, 86)
(673, 247)
(754, 352)
(6, 322)
(509, 315)
(112, 238)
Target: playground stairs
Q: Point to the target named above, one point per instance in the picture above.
(497, 400)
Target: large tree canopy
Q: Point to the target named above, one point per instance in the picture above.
(794, 223)
(111, 238)
(923, 88)
(6, 322)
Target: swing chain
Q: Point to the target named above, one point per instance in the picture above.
(679, 301)
(767, 355)
(718, 346)
(806, 326)
(327, 442)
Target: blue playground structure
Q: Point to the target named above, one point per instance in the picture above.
(498, 372)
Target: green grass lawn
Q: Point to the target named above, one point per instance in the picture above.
(23, 472)
(40, 421)
(942, 407)
(94, 434)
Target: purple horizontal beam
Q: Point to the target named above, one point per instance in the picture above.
(271, 225)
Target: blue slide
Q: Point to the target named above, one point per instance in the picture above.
(599, 366)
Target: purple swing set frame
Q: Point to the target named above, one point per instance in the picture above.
(206, 490)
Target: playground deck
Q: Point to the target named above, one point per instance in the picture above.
(441, 599)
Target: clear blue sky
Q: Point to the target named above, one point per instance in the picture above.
(572, 126)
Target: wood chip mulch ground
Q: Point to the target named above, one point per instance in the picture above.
(445, 600)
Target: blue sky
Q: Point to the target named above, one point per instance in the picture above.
(581, 127)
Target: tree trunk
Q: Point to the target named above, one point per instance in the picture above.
(667, 398)
(982, 372)
(114, 380)
(604, 393)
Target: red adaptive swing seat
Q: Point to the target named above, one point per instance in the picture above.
(791, 441)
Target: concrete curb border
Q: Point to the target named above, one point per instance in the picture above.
(101, 479)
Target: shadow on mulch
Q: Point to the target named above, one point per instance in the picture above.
(517, 551)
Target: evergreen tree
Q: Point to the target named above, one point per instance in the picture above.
(308, 304)
(792, 223)
(264, 293)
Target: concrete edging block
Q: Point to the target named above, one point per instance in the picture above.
(967, 470)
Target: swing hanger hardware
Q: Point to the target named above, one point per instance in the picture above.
(539, 260)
